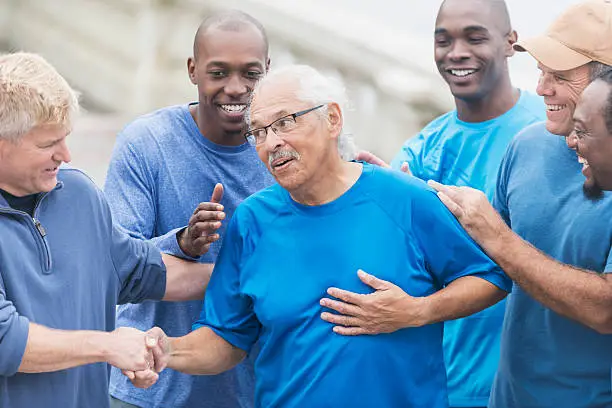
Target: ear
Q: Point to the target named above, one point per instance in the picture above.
(334, 119)
(191, 70)
(511, 39)
(268, 65)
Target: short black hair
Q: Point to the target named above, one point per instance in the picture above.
(499, 11)
(230, 20)
(607, 109)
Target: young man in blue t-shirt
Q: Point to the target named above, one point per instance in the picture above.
(165, 164)
(321, 226)
(472, 43)
(556, 349)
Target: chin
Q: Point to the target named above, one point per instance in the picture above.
(559, 129)
(592, 190)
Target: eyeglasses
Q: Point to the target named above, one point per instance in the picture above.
(280, 126)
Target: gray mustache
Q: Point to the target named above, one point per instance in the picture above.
(283, 154)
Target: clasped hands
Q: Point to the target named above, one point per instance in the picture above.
(140, 356)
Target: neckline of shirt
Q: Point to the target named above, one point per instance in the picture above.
(348, 197)
(204, 141)
(490, 122)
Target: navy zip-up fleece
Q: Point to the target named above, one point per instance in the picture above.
(66, 268)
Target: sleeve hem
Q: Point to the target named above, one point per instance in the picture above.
(230, 338)
(15, 342)
(168, 243)
(489, 276)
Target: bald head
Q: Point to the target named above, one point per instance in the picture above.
(497, 10)
(232, 20)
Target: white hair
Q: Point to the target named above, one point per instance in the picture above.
(316, 89)
(32, 93)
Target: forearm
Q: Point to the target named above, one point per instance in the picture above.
(185, 280)
(462, 297)
(52, 350)
(203, 352)
(579, 294)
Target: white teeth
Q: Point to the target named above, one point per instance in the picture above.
(583, 161)
(555, 107)
(234, 108)
(462, 72)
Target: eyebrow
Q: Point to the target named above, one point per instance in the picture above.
(475, 28)
(279, 114)
(468, 29)
(251, 64)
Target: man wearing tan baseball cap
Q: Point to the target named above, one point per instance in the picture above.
(555, 351)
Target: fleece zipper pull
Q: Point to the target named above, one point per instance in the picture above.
(40, 228)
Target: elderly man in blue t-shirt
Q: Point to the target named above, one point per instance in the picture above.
(324, 224)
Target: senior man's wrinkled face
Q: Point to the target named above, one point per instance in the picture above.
(300, 138)
(592, 139)
(561, 91)
(30, 165)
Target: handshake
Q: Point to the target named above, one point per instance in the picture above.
(140, 356)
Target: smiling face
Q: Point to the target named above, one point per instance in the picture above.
(296, 157)
(471, 45)
(227, 65)
(592, 139)
(561, 91)
(30, 165)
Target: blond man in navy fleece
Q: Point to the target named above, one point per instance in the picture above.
(64, 266)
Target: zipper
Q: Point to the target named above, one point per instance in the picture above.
(40, 230)
(43, 233)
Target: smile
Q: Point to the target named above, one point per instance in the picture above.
(234, 107)
(461, 73)
(281, 163)
(555, 108)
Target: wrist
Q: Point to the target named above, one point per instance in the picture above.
(417, 312)
(181, 238)
(425, 311)
(100, 346)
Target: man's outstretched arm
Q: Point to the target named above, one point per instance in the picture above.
(53, 350)
(576, 293)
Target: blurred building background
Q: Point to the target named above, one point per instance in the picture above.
(128, 57)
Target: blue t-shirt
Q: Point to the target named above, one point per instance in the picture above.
(459, 153)
(161, 169)
(548, 360)
(279, 258)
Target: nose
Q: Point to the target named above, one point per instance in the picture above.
(236, 85)
(544, 87)
(273, 141)
(459, 52)
(62, 153)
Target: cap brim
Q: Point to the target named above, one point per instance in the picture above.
(551, 53)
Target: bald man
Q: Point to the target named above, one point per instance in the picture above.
(472, 43)
(167, 162)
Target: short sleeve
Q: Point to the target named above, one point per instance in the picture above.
(608, 267)
(227, 310)
(448, 250)
(412, 152)
(500, 198)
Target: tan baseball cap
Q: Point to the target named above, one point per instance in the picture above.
(581, 34)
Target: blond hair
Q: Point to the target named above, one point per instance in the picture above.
(33, 93)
